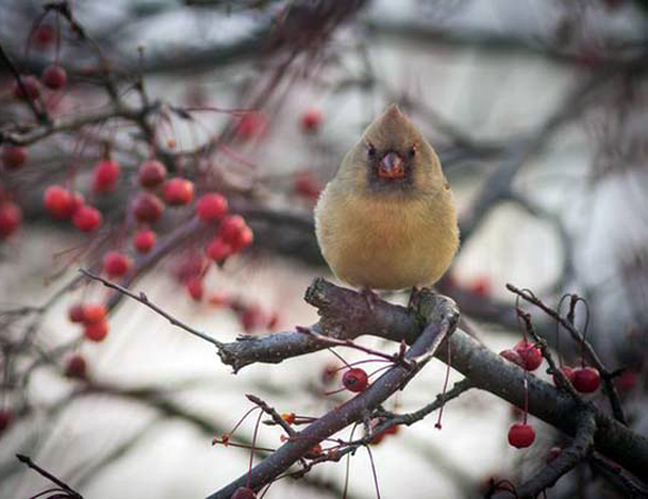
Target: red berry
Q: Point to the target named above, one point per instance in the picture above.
(13, 157)
(627, 380)
(251, 125)
(355, 380)
(252, 318)
(531, 355)
(94, 312)
(54, 77)
(243, 240)
(521, 435)
(87, 218)
(44, 35)
(76, 367)
(568, 372)
(144, 240)
(59, 202)
(586, 379)
(147, 207)
(195, 288)
(481, 286)
(554, 452)
(178, 191)
(151, 173)
(10, 218)
(30, 88)
(116, 264)
(211, 207)
(243, 493)
(311, 120)
(96, 331)
(6, 418)
(513, 356)
(76, 313)
(218, 250)
(105, 175)
(306, 184)
(230, 228)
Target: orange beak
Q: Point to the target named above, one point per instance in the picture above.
(391, 166)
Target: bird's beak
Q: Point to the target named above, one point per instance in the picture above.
(391, 166)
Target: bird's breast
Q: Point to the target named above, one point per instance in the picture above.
(387, 243)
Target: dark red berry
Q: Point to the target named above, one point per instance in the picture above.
(54, 77)
(116, 264)
(586, 379)
(531, 355)
(151, 173)
(6, 418)
(44, 35)
(311, 120)
(481, 286)
(13, 157)
(243, 239)
(218, 250)
(94, 312)
(195, 288)
(76, 313)
(76, 367)
(147, 207)
(211, 207)
(144, 240)
(96, 331)
(105, 176)
(251, 125)
(10, 218)
(521, 435)
(178, 191)
(355, 380)
(554, 452)
(230, 228)
(58, 202)
(87, 219)
(306, 184)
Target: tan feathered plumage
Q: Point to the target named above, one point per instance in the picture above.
(388, 230)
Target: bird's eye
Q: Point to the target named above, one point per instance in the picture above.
(371, 150)
(412, 151)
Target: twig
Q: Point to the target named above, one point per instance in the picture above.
(142, 298)
(276, 417)
(27, 460)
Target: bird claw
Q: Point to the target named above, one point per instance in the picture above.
(415, 296)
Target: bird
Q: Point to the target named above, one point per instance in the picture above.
(388, 219)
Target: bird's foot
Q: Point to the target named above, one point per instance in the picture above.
(370, 297)
(415, 296)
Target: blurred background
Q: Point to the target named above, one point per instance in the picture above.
(537, 110)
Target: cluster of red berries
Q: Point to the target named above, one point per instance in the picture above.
(54, 77)
(93, 318)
